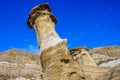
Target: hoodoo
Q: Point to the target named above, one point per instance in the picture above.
(55, 59)
(81, 56)
(43, 21)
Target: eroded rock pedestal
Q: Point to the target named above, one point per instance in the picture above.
(55, 59)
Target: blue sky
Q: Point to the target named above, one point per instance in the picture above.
(90, 23)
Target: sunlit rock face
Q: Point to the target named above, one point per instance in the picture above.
(108, 65)
(19, 65)
(43, 21)
(108, 56)
(111, 51)
(56, 61)
(55, 58)
(81, 56)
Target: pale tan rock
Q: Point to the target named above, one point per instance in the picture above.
(107, 56)
(43, 21)
(13, 65)
(109, 51)
(81, 56)
(59, 64)
(56, 61)
(87, 59)
(21, 78)
(96, 73)
(55, 58)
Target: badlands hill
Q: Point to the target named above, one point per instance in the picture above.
(19, 56)
(21, 65)
(18, 64)
(106, 56)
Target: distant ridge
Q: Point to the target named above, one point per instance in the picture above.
(16, 55)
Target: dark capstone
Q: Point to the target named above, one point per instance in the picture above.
(37, 11)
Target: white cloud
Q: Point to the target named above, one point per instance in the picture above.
(33, 48)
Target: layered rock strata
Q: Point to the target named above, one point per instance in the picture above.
(81, 55)
(55, 58)
(56, 61)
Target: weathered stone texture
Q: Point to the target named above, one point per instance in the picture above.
(56, 61)
(111, 51)
(55, 58)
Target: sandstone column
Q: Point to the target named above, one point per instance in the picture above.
(43, 21)
(55, 59)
